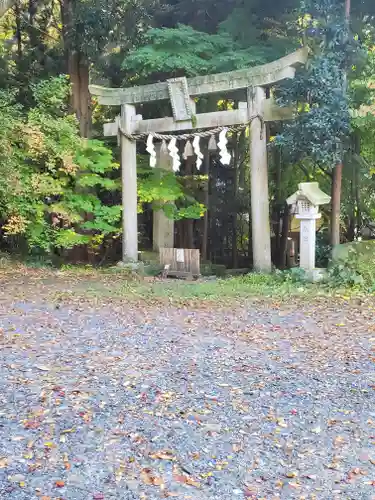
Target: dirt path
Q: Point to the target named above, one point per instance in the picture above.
(121, 401)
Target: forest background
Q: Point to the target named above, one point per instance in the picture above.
(60, 197)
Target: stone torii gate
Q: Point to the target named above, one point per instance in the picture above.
(256, 110)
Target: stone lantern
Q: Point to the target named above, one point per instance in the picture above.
(306, 202)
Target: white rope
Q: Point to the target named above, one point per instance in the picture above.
(191, 135)
(191, 148)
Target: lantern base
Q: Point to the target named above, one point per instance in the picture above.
(317, 275)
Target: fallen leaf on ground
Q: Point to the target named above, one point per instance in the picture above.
(42, 368)
(149, 477)
(291, 474)
(163, 455)
(281, 422)
(181, 478)
(67, 431)
(296, 486)
(338, 441)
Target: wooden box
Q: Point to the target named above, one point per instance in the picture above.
(180, 262)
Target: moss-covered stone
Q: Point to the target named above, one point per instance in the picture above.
(149, 257)
(209, 269)
(219, 270)
(365, 250)
(153, 269)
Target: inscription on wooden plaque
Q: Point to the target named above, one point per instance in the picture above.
(179, 96)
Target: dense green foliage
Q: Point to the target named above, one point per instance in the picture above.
(354, 265)
(320, 131)
(53, 184)
(46, 167)
(172, 52)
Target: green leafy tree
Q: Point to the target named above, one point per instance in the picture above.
(58, 190)
(172, 52)
(167, 192)
(321, 128)
(322, 120)
(44, 202)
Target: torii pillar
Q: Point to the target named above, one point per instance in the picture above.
(260, 208)
(129, 186)
(163, 226)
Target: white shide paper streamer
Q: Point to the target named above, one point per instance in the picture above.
(197, 151)
(173, 151)
(151, 150)
(222, 145)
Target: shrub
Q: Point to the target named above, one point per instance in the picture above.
(353, 264)
(56, 189)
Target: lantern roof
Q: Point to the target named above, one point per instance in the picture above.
(311, 192)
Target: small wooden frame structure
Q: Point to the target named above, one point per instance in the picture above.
(180, 262)
(256, 110)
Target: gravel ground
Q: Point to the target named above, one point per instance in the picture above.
(125, 402)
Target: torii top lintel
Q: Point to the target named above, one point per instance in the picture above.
(266, 74)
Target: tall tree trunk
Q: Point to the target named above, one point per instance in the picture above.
(5, 5)
(355, 211)
(78, 70)
(284, 238)
(352, 210)
(18, 30)
(358, 214)
(337, 171)
(347, 10)
(336, 203)
(235, 196)
(33, 33)
(358, 218)
(277, 160)
(79, 77)
(204, 249)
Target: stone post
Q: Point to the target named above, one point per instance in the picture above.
(308, 240)
(163, 227)
(129, 187)
(261, 232)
